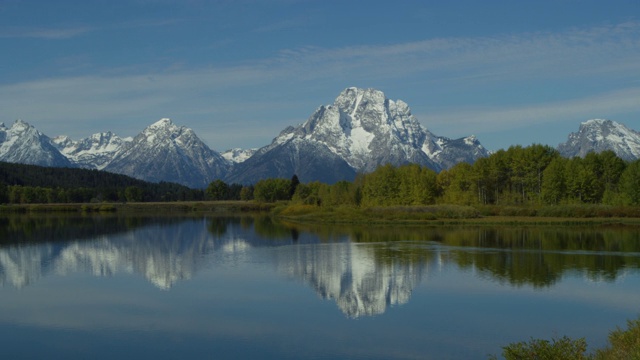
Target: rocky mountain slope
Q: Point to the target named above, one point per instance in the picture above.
(24, 144)
(599, 135)
(94, 152)
(360, 131)
(167, 152)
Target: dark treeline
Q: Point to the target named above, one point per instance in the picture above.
(30, 184)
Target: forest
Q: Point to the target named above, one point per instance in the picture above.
(519, 176)
(30, 184)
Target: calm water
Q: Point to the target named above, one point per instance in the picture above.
(248, 288)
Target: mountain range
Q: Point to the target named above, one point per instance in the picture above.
(361, 130)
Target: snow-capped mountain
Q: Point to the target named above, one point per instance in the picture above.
(599, 135)
(162, 152)
(22, 143)
(238, 155)
(94, 152)
(166, 152)
(360, 131)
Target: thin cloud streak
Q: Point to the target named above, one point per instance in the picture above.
(47, 34)
(576, 52)
(514, 117)
(63, 33)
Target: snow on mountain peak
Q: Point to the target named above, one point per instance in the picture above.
(23, 143)
(237, 155)
(161, 123)
(21, 126)
(592, 122)
(96, 151)
(599, 135)
(167, 152)
(360, 131)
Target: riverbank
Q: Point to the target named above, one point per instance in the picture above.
(434, 215)
(455, 214)
(143, 207)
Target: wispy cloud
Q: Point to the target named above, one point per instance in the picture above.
(286, 24)
(45, 33)
(60, 33)
(513, 117)
(575, 52)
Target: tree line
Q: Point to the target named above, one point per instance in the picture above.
(518, 176)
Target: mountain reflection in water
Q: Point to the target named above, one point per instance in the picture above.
(363, 270)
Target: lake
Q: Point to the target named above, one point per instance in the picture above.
(104, 287)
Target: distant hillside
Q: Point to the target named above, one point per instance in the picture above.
(97, 184)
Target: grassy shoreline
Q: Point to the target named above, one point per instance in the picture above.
(145, 208)
(439, 215)
(432, 215)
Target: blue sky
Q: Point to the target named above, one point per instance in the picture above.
(240, 71)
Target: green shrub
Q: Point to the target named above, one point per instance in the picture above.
(297, 210)
(536, 349)
(107, 208)
(517, 211)
(624, 344)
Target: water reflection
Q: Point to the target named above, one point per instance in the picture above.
(350, 274)
(162, 250)
(363, 270)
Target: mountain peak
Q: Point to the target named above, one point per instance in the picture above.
(591, 122)
(95, 151)
(238, 155)
(599, 135)
(23, 143)
(21, 125)
(161, 124)
(167, 152)
(360, 131)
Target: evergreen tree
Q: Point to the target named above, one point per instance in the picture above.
(294, 184)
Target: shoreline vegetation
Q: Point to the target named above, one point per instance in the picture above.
(142, 208)
(623, 344)
(429, 215)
